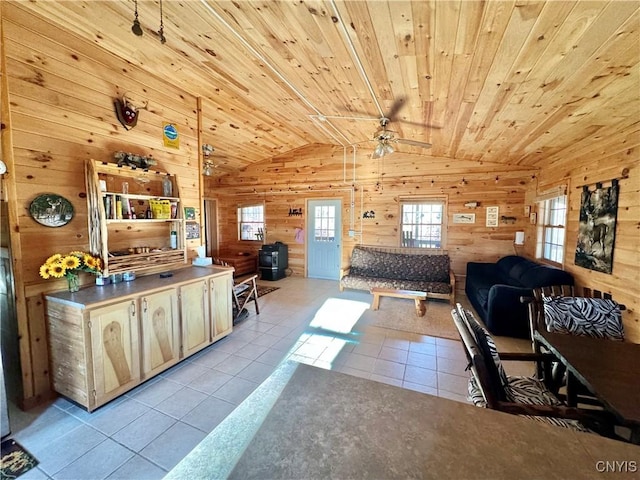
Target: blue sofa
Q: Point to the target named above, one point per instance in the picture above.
(494, 290)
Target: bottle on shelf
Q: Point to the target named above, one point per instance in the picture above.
(107, 206)
(118, 207)
(174, 239)
(167, 186)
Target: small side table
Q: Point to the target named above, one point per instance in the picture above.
(418, 297)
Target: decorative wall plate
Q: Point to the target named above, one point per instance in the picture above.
(51, 210)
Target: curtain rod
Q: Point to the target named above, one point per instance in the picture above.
(614, 181)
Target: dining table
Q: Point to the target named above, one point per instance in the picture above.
(608, 369)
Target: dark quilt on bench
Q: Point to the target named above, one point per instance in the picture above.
(424, 273)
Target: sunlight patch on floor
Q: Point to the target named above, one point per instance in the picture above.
(338, 315)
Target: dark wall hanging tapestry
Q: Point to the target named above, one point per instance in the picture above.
(597, 231)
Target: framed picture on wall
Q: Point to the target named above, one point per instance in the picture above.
(192, 230)
(189, 213)
(51, 210)
(492, 216)
(464, 218)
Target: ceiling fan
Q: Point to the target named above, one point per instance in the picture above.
(385, 137)
(208, 163)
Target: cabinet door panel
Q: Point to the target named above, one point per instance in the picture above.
(115, 351)
(194, 309)
(221, 308)
(160, 331)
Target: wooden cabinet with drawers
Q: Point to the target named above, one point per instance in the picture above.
(106, 340)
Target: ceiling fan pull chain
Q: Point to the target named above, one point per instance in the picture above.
(163, 40)
(136, 28)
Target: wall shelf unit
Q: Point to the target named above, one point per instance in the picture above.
(120, 202)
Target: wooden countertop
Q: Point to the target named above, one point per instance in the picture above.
(306, 422)
(98, 295)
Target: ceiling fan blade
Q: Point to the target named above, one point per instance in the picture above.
(418, 124)
(413, 143)
(395, 108)
(364, 141)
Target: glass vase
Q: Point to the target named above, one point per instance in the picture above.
(73, 281)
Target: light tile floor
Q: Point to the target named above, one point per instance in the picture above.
(146, 432)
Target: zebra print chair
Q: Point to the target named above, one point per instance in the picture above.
(593, 317)
(557, 309)
(490, 386)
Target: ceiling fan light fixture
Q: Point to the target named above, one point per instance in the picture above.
(207, 150)
(207, 168)
(207, 165)
(383, 148)
(378, 152)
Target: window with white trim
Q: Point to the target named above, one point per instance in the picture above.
(552, 220)
(422, 223)
(324, 223)
(251, 222)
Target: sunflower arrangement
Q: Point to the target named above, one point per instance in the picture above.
(58, 265)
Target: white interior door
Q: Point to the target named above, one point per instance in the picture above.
(324, 234)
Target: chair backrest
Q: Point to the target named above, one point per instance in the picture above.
(592, 317)
(219, 261)
(558, 309)
(536, 312)
(479, 349)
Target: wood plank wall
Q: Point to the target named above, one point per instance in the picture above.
(313, 172)
(624, 282)
(58, 119)
(318, 171)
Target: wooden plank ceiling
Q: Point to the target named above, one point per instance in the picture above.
(511, 82)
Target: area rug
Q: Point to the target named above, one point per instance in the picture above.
(263, 290)
(15, 460)
(400, 314)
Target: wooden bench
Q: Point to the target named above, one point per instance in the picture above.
(419, 297)
(243, 264)
(400, 268)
